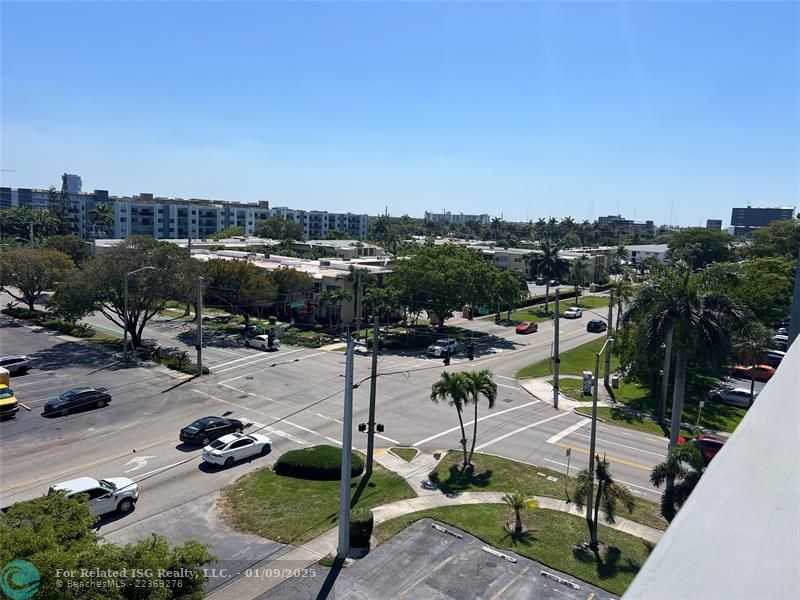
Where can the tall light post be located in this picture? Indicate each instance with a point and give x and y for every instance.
(589, 500)
(125, 312)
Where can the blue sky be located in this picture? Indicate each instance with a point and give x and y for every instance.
(522, 109)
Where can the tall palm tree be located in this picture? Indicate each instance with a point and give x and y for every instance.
(452, 388)
(517, 501)
(748, 346)
(340, 296)
(101, 216)
(623, 292)
(580, 274)
(609, 493)
(325, 299)
(683, 467)
(675, 305)
(548, 264)
(479, 383)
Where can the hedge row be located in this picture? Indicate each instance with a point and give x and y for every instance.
(317, 462)
(45, 319)
(361, 522)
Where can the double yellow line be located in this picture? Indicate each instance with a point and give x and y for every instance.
(621, 461)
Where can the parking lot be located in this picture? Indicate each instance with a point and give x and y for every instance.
(421, 562)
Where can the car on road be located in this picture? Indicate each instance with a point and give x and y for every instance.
(439, 347)
(540, 281)
(528, 327)
(15, 364)
(739, 397)
(262, 342)
(762, 372)
(236, 446)
(206, 430)
(596, 326)
(774, 358)
(573, 312)
(708, 445)
(76, 399)
(9, 406)
(554, 283)
(114, 494)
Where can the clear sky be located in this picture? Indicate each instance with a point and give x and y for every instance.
(522, 109)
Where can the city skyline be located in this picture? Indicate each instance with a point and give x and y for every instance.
(528, 111)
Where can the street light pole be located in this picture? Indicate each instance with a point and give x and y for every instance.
(592, 436)
(556, 357)
(372, 397)
(199, 316)
(125, 313)
(347, 450)
(608, 336)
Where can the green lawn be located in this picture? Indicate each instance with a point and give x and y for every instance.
(293, 510)
(571, 388)
(550, 537)
(573, 362)
(407, 454)
(495, 474)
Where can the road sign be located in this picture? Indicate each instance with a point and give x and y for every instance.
(297, 304)
(702, 403)
(569, 451)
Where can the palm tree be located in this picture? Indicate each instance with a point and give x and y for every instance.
(580, 274)
(479, 383)
(452, 388)
(517, 501)
(101, 216)
(325, 299)
(548, 264)
(361, 278)
(623, 292)
(608, 494)
(340, 296)
(692, 312)
(686, 465)
(748, 347)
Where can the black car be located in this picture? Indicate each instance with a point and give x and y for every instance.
(596, 326)
(206, 430)
(77, 399)
(540, 281)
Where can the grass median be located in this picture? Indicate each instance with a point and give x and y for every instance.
(495, 474)
(293, 510)
(551, 538)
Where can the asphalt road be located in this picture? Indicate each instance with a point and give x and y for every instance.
(295, 396)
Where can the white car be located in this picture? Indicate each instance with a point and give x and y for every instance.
(739, 397)
(439, 347)
(573, 312)
(236, 446)
(262, 342)
(105, 496)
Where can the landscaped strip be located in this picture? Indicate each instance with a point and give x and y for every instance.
(551, 537)
(407, 454)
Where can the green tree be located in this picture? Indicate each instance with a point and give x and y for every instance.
(229, 232)
(453, 389)
(580, 275)
(25, 273)
(71, 245)
(749, 347)
(510, 288)
(335, 234)
(278, 228)
(548, 264)
(571, 240)
(61, 208)
(699, 246)
(101, 216)
(479, 384)
(767, 287)
(237, 286)
(55, 534)
(292, 285)
(517, 501)
(340, 296)
(326, 299)
(608, 494)
(683, 467)
(779, 238)
(692, 311)
(623, 292)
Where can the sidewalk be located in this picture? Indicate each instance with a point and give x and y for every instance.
(302, 557)
(539, 388)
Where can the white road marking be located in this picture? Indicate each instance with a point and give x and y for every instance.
(504, 377)
(267, 398)
(649, 490)
(660, 455)
(521, 429)
(158, 470)
(329, 418)
(138, 462)
(564, 433)
(511, 387)
(255, 425)
(494, 414)
(231, 379)
(230, 362)
(269, 357)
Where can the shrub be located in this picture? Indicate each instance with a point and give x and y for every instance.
(317, 462)
(272, 319)
(361, 522)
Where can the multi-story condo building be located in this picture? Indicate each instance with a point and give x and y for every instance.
(74, 183)
(620, 221)
(744, 220)
(176, 218)
(715, 224)
(448, 217)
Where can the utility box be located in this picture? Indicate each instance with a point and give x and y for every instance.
(615, 381)
(588, 382)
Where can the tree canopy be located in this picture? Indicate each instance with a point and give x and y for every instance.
(779, 238)
(699, 246)
(278, 228)
(237, 286)
(25, 272)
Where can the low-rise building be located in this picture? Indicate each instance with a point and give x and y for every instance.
(452, 218)
(341, 248)
(640, 253)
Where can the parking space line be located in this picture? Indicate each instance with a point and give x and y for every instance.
(521, 429)
(565, 432)
(495, 414)
(519, 576)
(431, 572)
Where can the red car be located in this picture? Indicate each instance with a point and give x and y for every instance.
(763, 372)
(528, 327)
(708, 445)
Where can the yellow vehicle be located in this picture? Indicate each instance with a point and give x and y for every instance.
(8, 402)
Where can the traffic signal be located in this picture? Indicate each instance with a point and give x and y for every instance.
(362, 427)
(379, 427)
